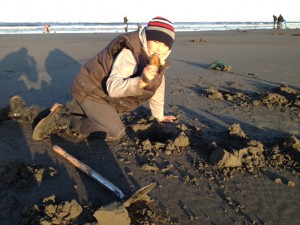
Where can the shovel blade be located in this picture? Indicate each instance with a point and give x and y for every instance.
(139, 195)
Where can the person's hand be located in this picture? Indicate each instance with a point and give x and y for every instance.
(166, 119)
(149, 74)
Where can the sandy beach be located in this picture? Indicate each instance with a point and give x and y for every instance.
(232, 157)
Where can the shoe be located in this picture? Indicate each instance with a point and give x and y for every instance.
(41, 115)
(109, 138)
(16, 106)
(14, 109)
(59, 119)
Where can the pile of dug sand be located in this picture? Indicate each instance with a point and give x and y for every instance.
(282, 97)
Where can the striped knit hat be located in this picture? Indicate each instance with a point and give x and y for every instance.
(162, 30)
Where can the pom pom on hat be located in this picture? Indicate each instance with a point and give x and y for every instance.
(162, 30)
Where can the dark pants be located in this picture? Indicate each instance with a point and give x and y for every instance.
(96, 118)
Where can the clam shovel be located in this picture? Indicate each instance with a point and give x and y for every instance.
(140, 194)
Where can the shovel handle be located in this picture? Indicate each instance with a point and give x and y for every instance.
(75, 162)
(89, 171)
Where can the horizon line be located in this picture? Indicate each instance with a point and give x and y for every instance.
(245, 21)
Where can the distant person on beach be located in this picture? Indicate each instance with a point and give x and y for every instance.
(126, 23)
(280, 22)
(139, 26)
(47, 28)
(274, 21)
(285, 24)
(126, 73)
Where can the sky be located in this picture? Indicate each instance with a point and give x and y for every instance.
(143, 11)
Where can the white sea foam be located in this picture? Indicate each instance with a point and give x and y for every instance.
(34, 28)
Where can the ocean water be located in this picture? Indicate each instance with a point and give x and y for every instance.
(35, 28)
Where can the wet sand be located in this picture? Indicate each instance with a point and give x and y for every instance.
(232, 157)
